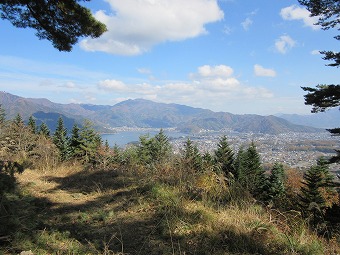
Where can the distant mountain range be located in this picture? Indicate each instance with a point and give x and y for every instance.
(325, 120)
(144, 113)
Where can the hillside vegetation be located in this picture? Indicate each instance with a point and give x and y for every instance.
(72, 194)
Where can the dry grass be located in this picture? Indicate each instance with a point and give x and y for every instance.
(72, 211)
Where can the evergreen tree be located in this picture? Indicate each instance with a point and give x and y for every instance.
(61, 22)
(328, 178)
(224, 157)
(240, 164)
(145, 150)
(19, 140)
(107, 146)
(317, 181)
(154, 150)
(197, 159)
(325, 96)
(327, 12)
(117, 154)
(191, 158)
(90, 142)
(74, 143)
(311, 201)
(2, 126)
(262, 185)
(322, 98)
(2, 115)
(32, 124)
(276, 182)
(44, 130)
(208, 161)
(253, 175)
(60, 139)
(18, 120)
(161, 147)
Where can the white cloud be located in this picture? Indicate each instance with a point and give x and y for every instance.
(221, 85)
(220, 70)
(295, 12)
(75, 101)
(137, 25)
(315, 52)
(144, 70)
(209, 85)
(246, 23)
(284, 44)
(256, 93)
(112, 85)
(261, 71)
(90, 98)
(69, 85)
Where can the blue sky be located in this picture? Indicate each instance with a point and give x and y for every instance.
(238, 56)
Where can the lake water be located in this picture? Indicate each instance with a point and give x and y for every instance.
(122, 138)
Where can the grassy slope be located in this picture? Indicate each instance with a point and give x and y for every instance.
(70, 211)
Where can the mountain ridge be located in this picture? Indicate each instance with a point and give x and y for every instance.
(142, 113)
(326, 120)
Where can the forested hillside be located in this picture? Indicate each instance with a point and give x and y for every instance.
(70, 193)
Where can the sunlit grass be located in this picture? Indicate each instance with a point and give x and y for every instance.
(72, 211)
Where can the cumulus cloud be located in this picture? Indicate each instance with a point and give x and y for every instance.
(284, 44)
(221, 85)
(215, 78)
(246, 23)
(295, 12)
(137, 25)
(261, 71)
(112, 85)
(220, 70)
(208, 85)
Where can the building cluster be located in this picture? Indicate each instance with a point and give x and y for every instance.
(296, 150)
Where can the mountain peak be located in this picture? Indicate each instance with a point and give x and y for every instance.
(144, 113)
(135, 101)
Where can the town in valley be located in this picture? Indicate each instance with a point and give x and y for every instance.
(294, 150)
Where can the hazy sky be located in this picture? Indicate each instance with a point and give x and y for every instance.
(238, 56)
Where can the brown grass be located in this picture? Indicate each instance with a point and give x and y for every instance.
(72, 211)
